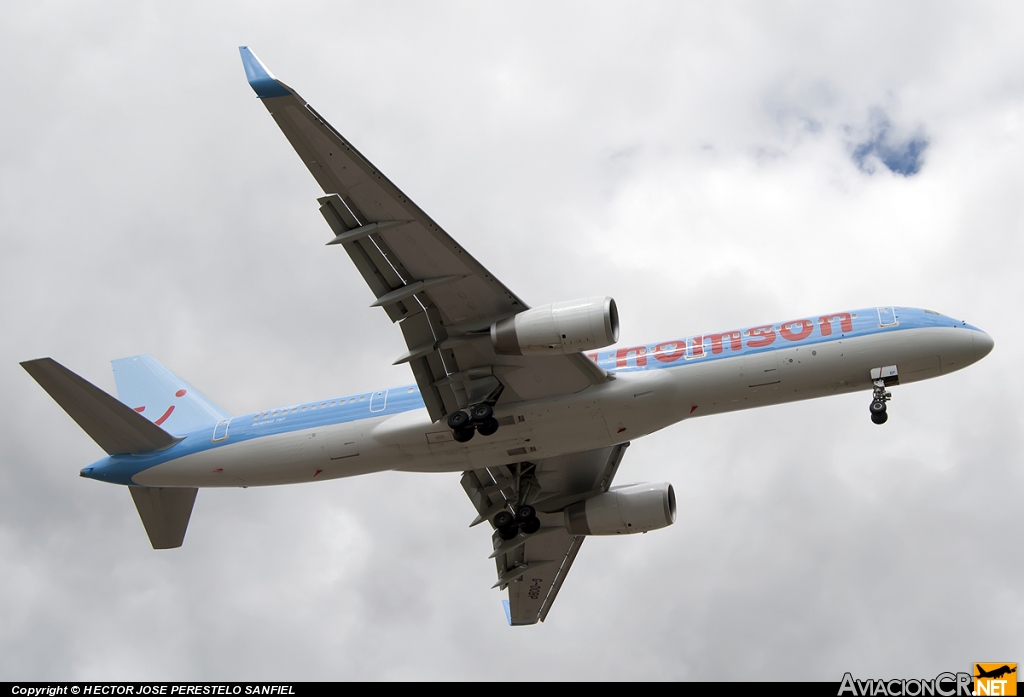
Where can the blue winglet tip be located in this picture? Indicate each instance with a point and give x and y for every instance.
(508, 611)
(262, 82)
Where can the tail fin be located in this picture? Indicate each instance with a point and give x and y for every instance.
(115, 428)
(164, 398)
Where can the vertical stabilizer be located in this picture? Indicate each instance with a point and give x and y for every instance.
(153, 390)
(165, 513)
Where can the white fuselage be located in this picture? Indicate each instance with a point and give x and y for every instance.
(633, 404)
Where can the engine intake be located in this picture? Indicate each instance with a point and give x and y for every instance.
(565, 327)
(623, 510)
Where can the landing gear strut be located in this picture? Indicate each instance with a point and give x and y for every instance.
(878, 399)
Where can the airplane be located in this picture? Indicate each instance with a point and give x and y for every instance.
(535, 406)
(995, 673)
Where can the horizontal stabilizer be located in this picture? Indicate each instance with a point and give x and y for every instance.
(116, 428)
(165, 513)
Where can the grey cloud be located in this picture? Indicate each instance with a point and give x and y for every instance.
(149, 204)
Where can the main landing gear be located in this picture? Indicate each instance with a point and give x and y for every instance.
(478, 418)
(509, 525)
(878, 399)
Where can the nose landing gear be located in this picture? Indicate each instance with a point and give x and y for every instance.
(878, 399)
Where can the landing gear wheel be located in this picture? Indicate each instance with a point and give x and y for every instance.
(525, 513)
(531, 526)
(457, 419)
(502, 519)
(489, 427)
(481, 413)
(879, 396)
(509, 532)
(463, 435)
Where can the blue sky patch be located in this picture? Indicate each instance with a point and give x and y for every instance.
(900, 155)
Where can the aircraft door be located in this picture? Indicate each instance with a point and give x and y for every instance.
(220, 431)
(887, 317)
(379, 400)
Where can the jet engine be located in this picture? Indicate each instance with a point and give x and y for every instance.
(623, 510)
(565, 327)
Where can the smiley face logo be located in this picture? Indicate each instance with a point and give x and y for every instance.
(166, 414)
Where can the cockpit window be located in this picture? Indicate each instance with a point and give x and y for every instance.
(933, 312)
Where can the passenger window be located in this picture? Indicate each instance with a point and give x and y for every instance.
(362, 398)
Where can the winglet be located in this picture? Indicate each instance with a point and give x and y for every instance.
(260, 79)
(508, 611)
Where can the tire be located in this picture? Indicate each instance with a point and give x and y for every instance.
(879, 418)
(531, 526)
(489, 427)
(509, 532)
(502, 519)
(457, 420)
(877, 407)
(481, 413)
(463, 435)
(525, 513)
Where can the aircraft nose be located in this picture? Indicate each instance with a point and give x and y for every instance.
(982, 345)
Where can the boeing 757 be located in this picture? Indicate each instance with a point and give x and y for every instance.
(530, 404)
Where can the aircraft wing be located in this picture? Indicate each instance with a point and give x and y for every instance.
(443, 299)
(533, 567)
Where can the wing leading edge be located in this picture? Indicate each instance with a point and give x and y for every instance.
(443, 299)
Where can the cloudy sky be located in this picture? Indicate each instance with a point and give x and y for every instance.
(708, 165)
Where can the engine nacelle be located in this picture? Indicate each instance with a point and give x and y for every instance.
(565, 327)
(623, 510)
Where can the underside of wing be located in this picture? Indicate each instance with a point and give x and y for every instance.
(444, 300)
(533, 558)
